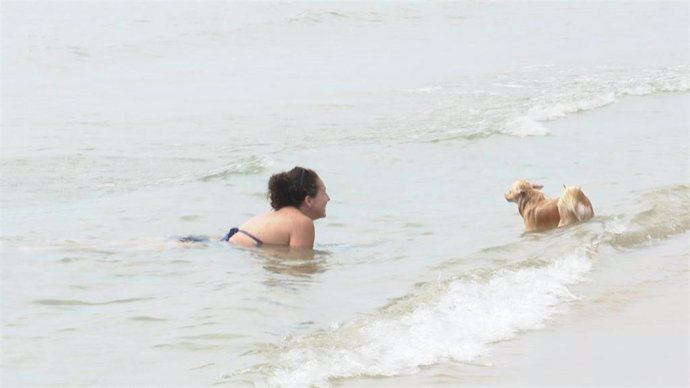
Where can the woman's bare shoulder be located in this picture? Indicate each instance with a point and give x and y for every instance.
(285, 219)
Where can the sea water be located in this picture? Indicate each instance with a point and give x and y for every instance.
(128, 124)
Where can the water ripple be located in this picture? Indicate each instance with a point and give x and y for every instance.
(75, 302)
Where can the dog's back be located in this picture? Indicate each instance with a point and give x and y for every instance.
(541, 213)
(574, 206)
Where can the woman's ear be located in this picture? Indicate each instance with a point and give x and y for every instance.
(308, 200)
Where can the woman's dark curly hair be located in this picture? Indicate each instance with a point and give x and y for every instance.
(291, 187)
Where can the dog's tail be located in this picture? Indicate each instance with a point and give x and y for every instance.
(574, 206)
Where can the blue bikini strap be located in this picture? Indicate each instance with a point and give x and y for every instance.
(256, 239)
(230, 233)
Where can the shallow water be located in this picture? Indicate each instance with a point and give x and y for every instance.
(125, 127)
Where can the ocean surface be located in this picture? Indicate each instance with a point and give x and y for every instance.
(127, 124)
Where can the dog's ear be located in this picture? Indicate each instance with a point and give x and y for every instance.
(537, 186)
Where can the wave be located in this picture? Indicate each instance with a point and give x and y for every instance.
(72, 302)
(468, 316)
(666, 214)
(460, 318)
(317, 16)
(26, 180)
(246, 166)
(517, 103)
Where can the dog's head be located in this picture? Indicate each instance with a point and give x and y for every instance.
(521, 189)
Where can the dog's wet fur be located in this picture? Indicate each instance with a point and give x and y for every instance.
(541, 213)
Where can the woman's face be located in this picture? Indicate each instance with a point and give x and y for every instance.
(319, 201)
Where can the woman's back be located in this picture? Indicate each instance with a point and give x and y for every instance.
(286, 226)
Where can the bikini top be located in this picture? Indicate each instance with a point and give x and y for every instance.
(234, 231)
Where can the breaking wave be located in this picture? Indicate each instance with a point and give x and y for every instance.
(518, 103)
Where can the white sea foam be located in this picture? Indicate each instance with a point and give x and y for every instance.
(518, 103)
(551, 111)
(460, 324)
(524, 126)
(615, 226)
(425, 90)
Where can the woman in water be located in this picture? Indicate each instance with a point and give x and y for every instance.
(298, 197)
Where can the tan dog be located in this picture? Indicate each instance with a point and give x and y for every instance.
(541, 213)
